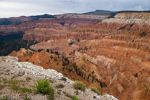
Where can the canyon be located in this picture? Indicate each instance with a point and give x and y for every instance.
(13, 28)
(22, 24)
(111, 53)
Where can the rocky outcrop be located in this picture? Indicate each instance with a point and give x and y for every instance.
(129, 17)
(19, 72)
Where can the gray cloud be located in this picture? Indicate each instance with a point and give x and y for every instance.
(33, 7)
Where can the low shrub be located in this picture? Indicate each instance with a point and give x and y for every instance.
(73, 97)
(94, 89)
(79, 85)
(43, 86)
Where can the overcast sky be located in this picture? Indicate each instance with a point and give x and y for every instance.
(12, 8)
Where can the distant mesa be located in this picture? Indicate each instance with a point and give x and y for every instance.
(101, 12)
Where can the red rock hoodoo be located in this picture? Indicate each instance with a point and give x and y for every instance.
(117, 48)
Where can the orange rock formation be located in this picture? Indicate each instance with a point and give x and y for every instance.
(115, 52)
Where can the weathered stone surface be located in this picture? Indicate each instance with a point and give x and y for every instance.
(37, 72)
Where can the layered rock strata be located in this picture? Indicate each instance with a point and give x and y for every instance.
(82, 16)
(26, 23)
(118, 47)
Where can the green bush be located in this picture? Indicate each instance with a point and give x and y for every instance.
(43, 86)
(94, 89)
(73, 97)
(79, 85)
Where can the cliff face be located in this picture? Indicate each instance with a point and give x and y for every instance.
(128, 17)
(133, 22)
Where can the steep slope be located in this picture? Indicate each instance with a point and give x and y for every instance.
(19, 79)
(118, 49)
(122, 57)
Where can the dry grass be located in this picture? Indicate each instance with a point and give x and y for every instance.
(2, 86)
(79, 85)
(60, 85)
(94, 89)
(28, 79)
